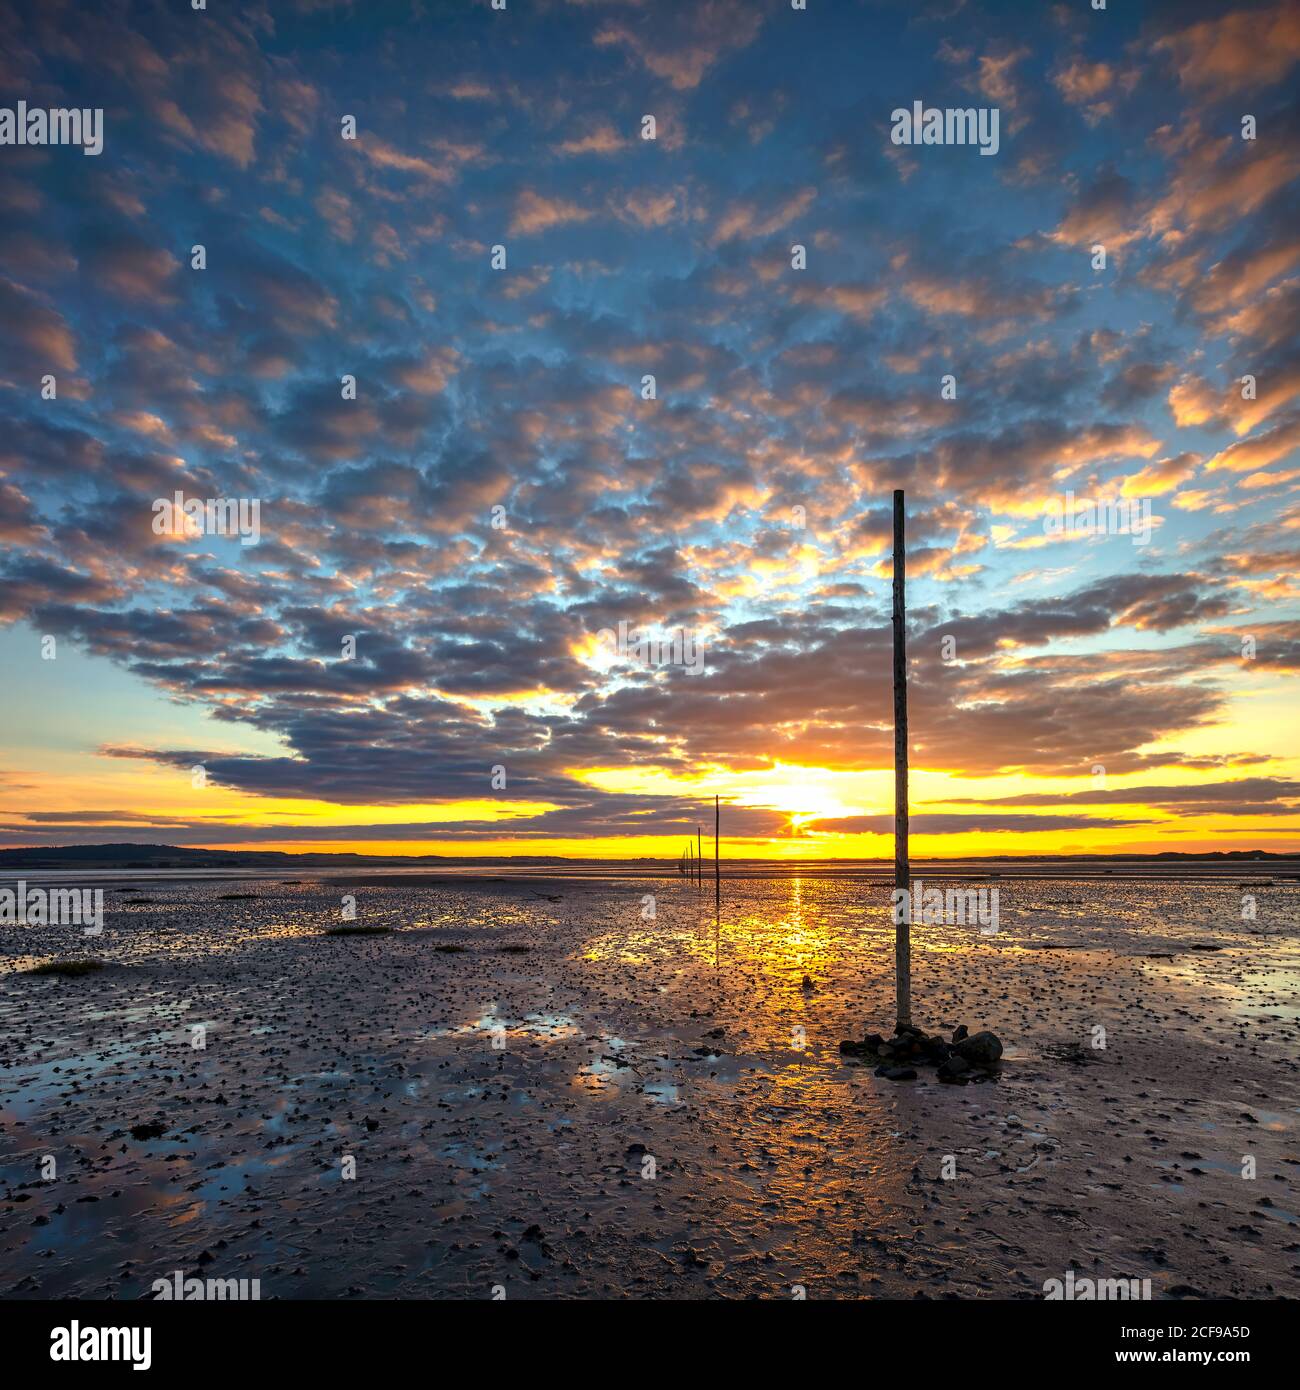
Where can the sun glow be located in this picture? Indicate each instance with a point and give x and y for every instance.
(805, 793)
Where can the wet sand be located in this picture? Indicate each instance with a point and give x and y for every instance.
(501, 1099)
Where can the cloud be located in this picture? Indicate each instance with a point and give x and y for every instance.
(1244, 796)
(962, 823)
(602, 138)
(996, 77)
(124, 264)
(680, 47)
(1260, 450)
(536, 213)
(500, 491)
(1082, 83)
(1240, 50)
(755, 219)
(388, 157)
(37, 339)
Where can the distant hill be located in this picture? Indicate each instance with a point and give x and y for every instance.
(131, 856)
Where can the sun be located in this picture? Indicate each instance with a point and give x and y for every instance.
(806, 794)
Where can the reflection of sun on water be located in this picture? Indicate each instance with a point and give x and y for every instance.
(795, 922)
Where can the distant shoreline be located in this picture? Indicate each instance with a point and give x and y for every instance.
(126, 856)
(120, 865)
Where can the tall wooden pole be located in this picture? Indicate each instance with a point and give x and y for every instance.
(902, 870)
(717, 862)
(699, 858)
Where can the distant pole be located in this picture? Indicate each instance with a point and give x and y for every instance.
(717, 862)
(699, 858)
(902, 871)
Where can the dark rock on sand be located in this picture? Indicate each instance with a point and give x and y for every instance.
(984, 1049)
(966, 1058)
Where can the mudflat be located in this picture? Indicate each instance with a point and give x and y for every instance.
(540, 1088)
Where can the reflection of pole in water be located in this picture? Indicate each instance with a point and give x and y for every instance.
(717, 863)
(717, 880)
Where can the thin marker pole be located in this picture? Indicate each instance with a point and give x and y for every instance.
(699, 858)
(902, 869)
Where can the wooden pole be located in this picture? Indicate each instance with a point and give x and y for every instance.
(717, 862)
(699, 858)
(902, 870)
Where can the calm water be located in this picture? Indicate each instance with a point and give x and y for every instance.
(173, 911)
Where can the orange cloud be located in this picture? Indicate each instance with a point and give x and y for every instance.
(1241, 50)
(534, 213)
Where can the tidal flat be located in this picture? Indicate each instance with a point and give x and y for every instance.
(533, 1088)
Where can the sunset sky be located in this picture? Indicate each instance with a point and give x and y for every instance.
(747, 503)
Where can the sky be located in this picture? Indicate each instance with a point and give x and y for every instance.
(500, 372)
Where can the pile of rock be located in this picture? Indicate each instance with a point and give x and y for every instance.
(967, 1057)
